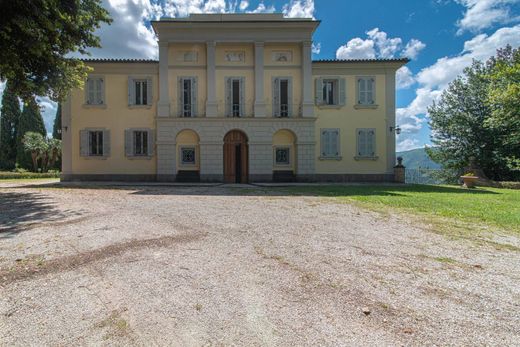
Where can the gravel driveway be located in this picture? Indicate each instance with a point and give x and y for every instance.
(212, 266)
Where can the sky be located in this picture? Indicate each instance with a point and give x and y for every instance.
(441, 37)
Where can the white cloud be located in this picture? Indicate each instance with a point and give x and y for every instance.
(299, 9)
(316, 48)
(378, 45)
(413, 48)
(243, 5)
(407, 144)
(404, 78)
(482, 14)
(387, 47)
(261, 8)
(357, 48)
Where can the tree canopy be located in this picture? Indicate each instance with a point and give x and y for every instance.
(477, 119)
(37, 38)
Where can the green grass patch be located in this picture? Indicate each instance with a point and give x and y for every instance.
(448, 207)
(10, 175)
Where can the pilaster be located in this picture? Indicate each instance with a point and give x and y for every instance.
(307, 100)
(163, 106)
(259, 80)
(211, 102)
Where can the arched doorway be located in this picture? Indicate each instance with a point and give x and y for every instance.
(236, 157)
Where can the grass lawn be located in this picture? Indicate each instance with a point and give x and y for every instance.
(450, 208)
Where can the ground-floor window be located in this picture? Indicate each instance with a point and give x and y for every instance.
(188, 155)
(282, 156)
(140, 142)
(95, 143)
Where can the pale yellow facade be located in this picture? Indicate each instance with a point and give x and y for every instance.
(130, 121)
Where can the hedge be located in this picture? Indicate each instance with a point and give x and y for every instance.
(8, 175)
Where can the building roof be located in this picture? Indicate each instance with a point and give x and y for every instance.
(234, 17)
(153, 61)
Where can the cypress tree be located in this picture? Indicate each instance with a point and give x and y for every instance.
(30, 120)
(56, 129)
(9, 118)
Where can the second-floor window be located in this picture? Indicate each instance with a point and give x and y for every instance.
(366, 90)
(187, 96)
(141, 92)
(282, 97)
(330, 91)
(95, 91)
(235, 96)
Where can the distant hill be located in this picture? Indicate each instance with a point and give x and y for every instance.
(417, 158)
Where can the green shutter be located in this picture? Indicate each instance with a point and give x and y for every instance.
(370, 94)
(242, 96)
(194, 96)
(106, 143)
(83, 143)
(371, 143)
(361, 143)
(151, 142)
(129, 143)
(180, 101)
(149, 91)
(289, 97)
(276, 97)
(131, 91)
(228, 96)
(342, 91)
(319, 91)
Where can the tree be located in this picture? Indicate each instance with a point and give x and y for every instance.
(9, 118)
(37, 38)
(30, 121)
(504, 100)
(54, 152)
(34, 143)
(56, 129)
(476, 120)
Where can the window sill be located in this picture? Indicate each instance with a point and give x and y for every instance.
(366, 158)
(95, 157)
(139, 106)
(94, 106)
(139, 157)
(331, 158)
(330, 107)
(365, 107)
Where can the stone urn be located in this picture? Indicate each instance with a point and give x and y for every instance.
(469, 180)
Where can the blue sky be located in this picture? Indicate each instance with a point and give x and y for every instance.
(441, 36)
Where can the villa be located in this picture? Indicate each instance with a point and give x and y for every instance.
(233, 98)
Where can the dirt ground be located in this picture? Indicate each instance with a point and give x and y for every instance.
(219, 266)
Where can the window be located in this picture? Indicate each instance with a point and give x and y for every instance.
(187, 96)
(95, 143)
(330, 91)
(235, 96)
(282, 97)
(140, 140)
(188, 155)
(95, 91)
(330, 143)
(366, 143)
(141, 92)
(366, 90)
(282, 156)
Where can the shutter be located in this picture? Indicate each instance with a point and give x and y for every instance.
(151, 142)
(131, 91)
(129, 143)
(180, 99)
(106, 143)
(334, 139)
(83, 143)
(370, 91)
(90, 95)
(276, 97)
(342, 91)
(100, 91)
(149, 91)
(361, 91)
(325, 150)
(289, 97)
(371, 143)
(361, 143)
(194, 96)
(242, 96)
(319, 91)
(229, 81)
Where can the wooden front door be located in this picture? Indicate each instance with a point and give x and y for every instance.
(235, 157)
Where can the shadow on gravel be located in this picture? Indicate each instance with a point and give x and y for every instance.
(30, 269)
(22, 211)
